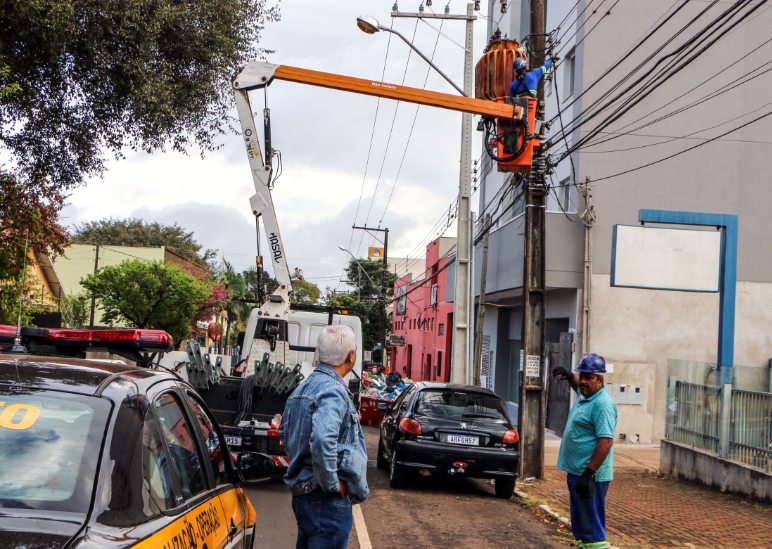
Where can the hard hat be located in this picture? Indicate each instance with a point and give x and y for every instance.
(592, 364)
(520, 63)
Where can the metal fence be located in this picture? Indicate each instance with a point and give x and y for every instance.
(732, 423)
(750, 438)
(697, 415)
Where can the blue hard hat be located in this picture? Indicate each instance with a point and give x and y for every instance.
(592, 364)
(520, 63)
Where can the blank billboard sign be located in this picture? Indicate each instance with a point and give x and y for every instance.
(666, 259)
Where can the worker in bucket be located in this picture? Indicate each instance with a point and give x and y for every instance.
(326, 446)
(526, 82)
(586, 451)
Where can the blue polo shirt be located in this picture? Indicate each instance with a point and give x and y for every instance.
(590, 419)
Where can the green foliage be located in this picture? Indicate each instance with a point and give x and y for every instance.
(147, 294)
(10, 292)
(250, 277)
(362, 284)
(305, 293)
(7, 87)
(368, 315)
(76, 310)
(28, 211)
(95, 75)
(136, 232)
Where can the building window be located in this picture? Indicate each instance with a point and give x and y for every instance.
(442, 330)
(569, 74)
(563, 193)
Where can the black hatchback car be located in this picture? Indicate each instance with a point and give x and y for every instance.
(99, 455)
(446, 428)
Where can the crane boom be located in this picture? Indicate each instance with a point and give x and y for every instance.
(258, 74)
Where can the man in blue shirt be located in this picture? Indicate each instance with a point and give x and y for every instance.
(586, 452)
(526, 82)
(326, 446)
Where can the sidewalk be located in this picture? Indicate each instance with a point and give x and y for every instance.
(645, 510)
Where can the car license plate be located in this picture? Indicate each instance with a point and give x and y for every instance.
(464, 439)
(232, 441)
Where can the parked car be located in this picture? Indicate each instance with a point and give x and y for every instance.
(451, 429)
(96, 454)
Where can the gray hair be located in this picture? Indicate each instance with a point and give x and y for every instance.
(334, 344)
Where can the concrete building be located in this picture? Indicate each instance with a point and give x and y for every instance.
(423, 316)
(636, 330)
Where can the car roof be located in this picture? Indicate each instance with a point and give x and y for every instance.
(440, 385)
(74, 375)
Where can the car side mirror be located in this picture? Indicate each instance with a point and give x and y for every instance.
(254, 468)
(383, 407)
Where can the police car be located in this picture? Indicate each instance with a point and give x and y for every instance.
(95, 454)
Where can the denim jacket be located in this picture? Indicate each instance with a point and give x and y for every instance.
(320, 431)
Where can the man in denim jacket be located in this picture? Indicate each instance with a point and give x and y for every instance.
(326, 446)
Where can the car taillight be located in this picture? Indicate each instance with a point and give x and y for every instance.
(511, 436)
(410, 426)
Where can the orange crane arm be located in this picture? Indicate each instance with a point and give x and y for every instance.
(257, 74)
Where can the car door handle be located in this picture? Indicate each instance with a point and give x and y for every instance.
(233, 531)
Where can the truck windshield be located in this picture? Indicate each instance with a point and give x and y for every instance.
(49, 446)
(446, 403)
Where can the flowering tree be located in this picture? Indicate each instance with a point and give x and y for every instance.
(217, 295)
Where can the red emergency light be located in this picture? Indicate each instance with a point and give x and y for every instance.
(49, 339)
(157, 336)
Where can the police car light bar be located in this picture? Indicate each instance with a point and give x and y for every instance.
(134, 339)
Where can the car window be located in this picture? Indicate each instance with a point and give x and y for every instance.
(408, 399)
(156, 479)
(181, 444)
(448, 403)
(214, 445)
(48, 441)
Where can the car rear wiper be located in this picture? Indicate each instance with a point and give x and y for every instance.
(481, 415)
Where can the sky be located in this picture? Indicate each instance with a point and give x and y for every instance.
(324, 137)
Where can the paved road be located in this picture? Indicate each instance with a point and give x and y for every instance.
(432, 513)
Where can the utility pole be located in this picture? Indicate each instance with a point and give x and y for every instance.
(589, 218)
(462, 329)
(531, 409)
(93, 299)
(384, 289)
(481, 306)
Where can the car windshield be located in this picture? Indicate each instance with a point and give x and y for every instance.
(460, 404)
(49, 445)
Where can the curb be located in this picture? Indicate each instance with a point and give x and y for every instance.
(565, 521)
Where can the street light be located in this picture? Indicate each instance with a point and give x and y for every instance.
(370, 25)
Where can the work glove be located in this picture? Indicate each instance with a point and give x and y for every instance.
(584, 485)
(562, 372)
(555, 60)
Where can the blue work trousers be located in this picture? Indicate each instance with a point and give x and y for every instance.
(588, 515)
(324, 520)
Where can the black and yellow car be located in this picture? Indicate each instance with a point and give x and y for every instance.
(99, 455)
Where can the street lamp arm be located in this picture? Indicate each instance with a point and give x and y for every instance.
(435, 67)
(380, 293)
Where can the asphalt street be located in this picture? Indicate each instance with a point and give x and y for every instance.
(431, 513)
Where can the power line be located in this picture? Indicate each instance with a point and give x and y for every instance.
(685, 150)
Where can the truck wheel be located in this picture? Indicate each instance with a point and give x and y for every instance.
(505, 487)
(381, 462)
(396, 477)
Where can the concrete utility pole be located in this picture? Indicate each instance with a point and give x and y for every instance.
(384, 289)
(481, 306)
(589, 219)
(462, 329)
(531, 409)
(93, 299)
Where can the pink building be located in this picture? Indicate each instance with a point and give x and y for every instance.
(424, 318)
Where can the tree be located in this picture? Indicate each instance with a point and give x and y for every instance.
(10, 294)
(305, 293)
(147, 294)
(144, 74)
(75, 310)
(364, 288)
(29, 212)
(136, 232)
(250, 277)
(236, 309)
(368, 314)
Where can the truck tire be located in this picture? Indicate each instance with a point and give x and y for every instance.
(381, 461)
(505, 487)
(396, 477)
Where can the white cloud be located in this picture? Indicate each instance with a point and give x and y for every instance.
(324, 136)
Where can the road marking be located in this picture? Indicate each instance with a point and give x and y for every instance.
(359, 522)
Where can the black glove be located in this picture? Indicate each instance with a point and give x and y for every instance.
(585, 488)
(562, 372)
(555, 60)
